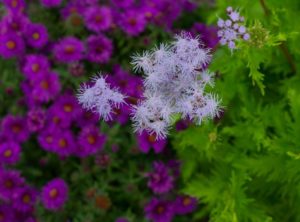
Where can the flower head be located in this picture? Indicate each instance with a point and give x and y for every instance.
(99, 48)
(185, 204)
(133, 22)
(9, 152)
(69, 49)
(6, 213)
(36, 35)
(15, 6)
(159, 210)
(54, 194)
(14, 128)
(24, 199)
(98, 18)
(35, 65)
(12, 45)
(147, 141)
(36, 119)
(10, 180)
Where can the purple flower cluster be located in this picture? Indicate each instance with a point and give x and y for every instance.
(232, 29)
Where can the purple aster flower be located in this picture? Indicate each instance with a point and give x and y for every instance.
(132, 22)
(146, 141)
(64, 143)
(15, 128)
(160, 179)
(51, 3)
(54, 194)
(72, 8)
(99, 49)
(35, 65)
(10, 152)
(55, 117)
(98, 18)
(123, 3)
(36, 35)
(69, 49)
(185, 205)
(46, 139)
(36, 119)
(86, 118)
(24, 199)
(15, 6)
(45, 87)
(159, 210)
(9, 182)
(14, 23)
(67, 107)
(6, 213)
(12, 45)
(90, 141)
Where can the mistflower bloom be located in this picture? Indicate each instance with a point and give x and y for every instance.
(159, 210)
(45, 87)
(90, 141)
(24, 199)
(54, 194)
(98, 18)
(99, 48)
(69, 49)
(36, 35)
(35, 65)
(100, 98)
(147, 141)
(51, 3)
(12, 45)
(185, 205)
(9, 152)
(132, 22)
(36, 119)
(9, 182)
(232, 29)
(175, 82)
(160, 179)
(15, 128)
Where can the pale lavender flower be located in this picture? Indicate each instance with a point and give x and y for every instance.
(100, 98)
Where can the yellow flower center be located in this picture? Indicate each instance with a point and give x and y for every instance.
(10, 44)
(187, 201)
(35, 67)
(151, 138)
(44, 84)
(69, 49)
(7, 153)
(160, 209)
(91, 139)
(8, 184)
(53, 193)
(36, 35)
(62, 143)
(68, 108)
(26, 198)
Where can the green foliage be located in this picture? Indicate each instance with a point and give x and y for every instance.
(246, 167)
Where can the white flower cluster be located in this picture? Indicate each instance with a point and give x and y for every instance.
(100, 98)
(175, 82)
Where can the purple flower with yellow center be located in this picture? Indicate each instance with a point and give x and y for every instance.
(86, 118)
(55, 118)
(160, 180)
(185, 204)
(12, 45)
(159, 210)
(99, 49)
(69, 49)
(35, 65)
(15, 128)
(90, 141)
(45, 87)
(10, 152)
(15, 6)
(64, 143)
(98, 18)
(146, 141)
(46, 139)
(10, 180)
(6, 213)
(54, 194)
(15, 23)
(36, 119)
(67, 107)
(132, 22)
(36, 35)
(24, 199)
(51, 3)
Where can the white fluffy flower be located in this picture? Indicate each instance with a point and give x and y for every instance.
(100, 98)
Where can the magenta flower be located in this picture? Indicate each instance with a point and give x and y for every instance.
(24, 199)
(15, 6)
(6, 213)
(35, 65)
(9, 182)
(36, 119)
(86, 118)
(12, 45)
(45, 87)
(46, 139)
(69, 49)
(14, 23)
(160, 180)
(146, 141)
(15, 128)
(67, 107)
(90, 141)
(36, 35)
(98, 18)
(185, 205)
(54, 194)
(99, 48)
(64, 143)
(10, 152)
(55, 117)
(132, 22)
(159, 210)
(51, 3)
